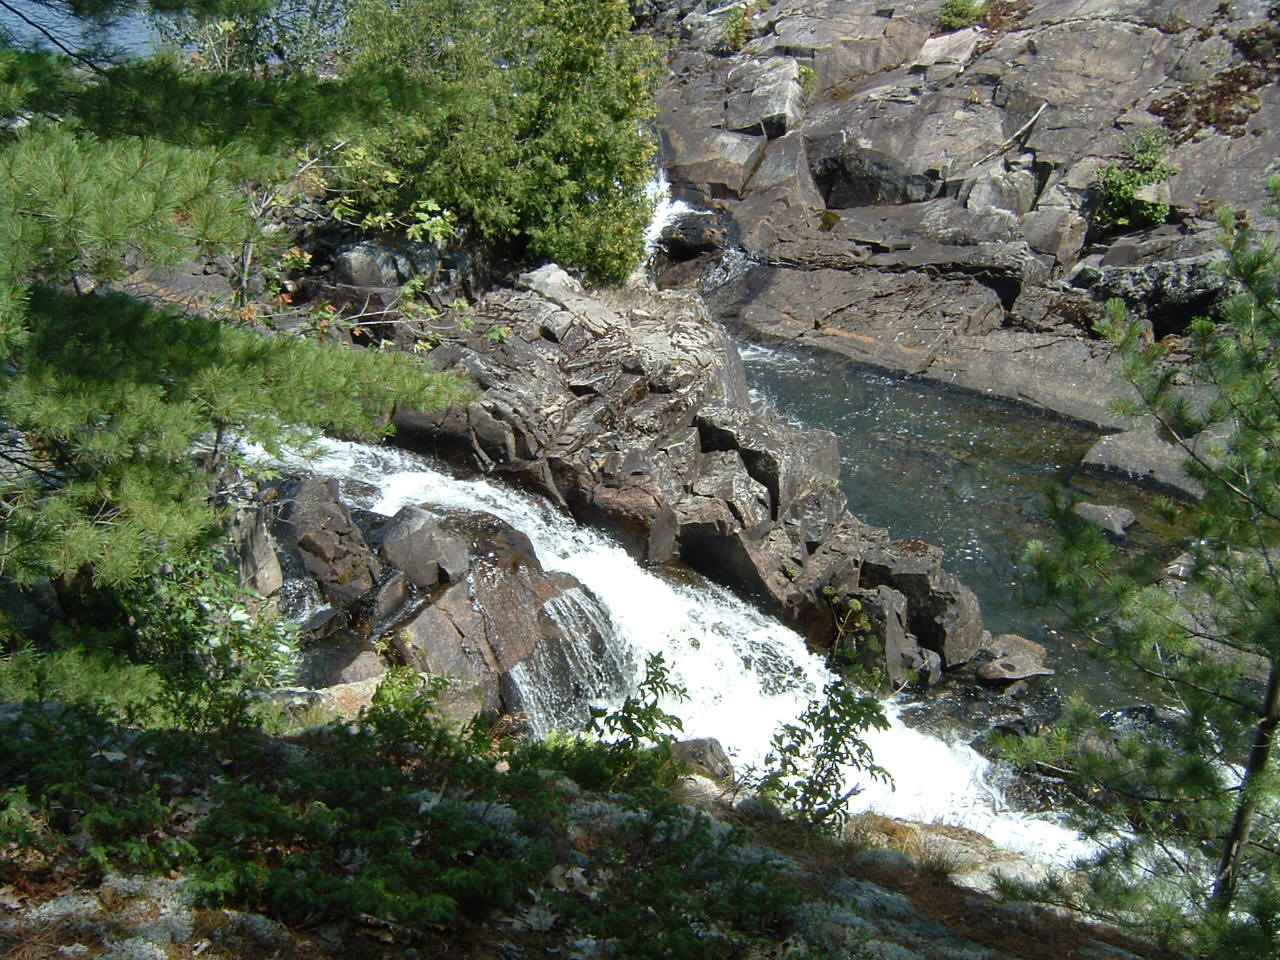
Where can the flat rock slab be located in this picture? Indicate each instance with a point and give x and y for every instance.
(1142, 455)
(945, 330)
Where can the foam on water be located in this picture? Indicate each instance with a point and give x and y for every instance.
(745, 673)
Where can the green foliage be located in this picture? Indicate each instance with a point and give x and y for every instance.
(1119, 185)
(541, 138)
(737, 29)
(211, 647)
(958, 14)
(683, 884)
(808, 81)
(112, 395)
(1200, 797)
(82, 669)
(636, 752)
(102, 397)
(811, 760)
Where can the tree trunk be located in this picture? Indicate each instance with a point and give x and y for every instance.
(1227, 878)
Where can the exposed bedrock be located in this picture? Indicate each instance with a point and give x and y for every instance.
(460, 595)
(927, 202)
(630, 409)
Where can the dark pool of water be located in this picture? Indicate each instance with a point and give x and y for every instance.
(959, 471)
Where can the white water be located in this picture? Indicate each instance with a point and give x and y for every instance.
(664, 212)
(745, 673)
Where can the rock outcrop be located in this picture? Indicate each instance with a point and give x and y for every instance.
(631, 410)
(926, 202)
(457, 595)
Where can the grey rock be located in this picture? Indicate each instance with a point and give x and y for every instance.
(765, 97)
(883, 861)
(369, 264)
(414, 543)
(705, 755)
(1142, 455)
(1116, 521)
(1011, 668)
(901, 655)
(942, 613)
(259, 567)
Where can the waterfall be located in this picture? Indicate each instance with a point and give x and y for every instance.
(745, 673)
(665, 210)
(557, 682)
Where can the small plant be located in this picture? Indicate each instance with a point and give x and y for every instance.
(808, 81)
(1120, 184)
(737, 29)
(958, 14)
(209, 645)
(810, 761)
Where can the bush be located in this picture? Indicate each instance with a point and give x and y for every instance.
(958, 14)
(1119, 184)
(541, 134)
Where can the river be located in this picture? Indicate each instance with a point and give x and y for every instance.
(963, 472)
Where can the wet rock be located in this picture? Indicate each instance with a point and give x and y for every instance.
(310, 519)
(630, 409)
(1114, 520)
(447, 639)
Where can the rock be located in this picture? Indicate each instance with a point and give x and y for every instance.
(706, 756)
(1115, 521)
(1013, 658)
(710, 162)
(369, 264)
(310, 519)
(1168, 292)
(902, 655)
(882, 861)
(630, 409)
(1056, 231)
(1011, 668)
(414, 543)
(766, 97)
(343, 657)
(967, 162)
(1147, 458)
(942, 612)
(259, 567)
(447, 639)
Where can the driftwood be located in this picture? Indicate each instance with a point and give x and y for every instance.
(1018, 134)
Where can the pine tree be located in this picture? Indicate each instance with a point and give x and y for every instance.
(105, 399)
(1199, 861)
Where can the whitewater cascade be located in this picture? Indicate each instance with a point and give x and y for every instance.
(745, 673)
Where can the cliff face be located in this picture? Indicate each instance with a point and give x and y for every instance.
(933, 203)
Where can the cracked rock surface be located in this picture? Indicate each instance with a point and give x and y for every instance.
(931, 208)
